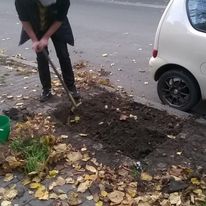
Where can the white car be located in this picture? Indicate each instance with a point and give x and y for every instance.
(179, 55)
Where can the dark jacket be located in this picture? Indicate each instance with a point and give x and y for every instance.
(28, 11)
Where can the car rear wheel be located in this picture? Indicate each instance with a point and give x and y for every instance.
(178, 89)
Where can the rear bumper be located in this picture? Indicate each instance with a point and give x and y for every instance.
(155, 64)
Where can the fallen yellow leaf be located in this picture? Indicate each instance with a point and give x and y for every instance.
(48, 140)
(60, 181)
(100, 203)
(33, 173)
(77, 119)
(60, 148)
(132, 191)
(10, 194)
(13, 162)
(91, 169)
(53, 196)
(73, 199)
(128, 200)
(36, 179)
(195, 181)
(143, 199)
(90, 197)
(101, 174)
(63, 196)
(53, 173)
(80, 179)
(83, 135)
(6, 203)
(146, 177)
(104, 193)
(83, 186)
(86, 157)
(35, 185)
(42, 193)
(198, 192)
(52, 185)
(175, 199)
(164, 203)
(74, 156)
(144, 204)
(116, 197)
(83, 149)
(90, 177)
(8, 177)
(69, 180)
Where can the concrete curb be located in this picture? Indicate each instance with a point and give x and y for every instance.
(18, 60)
(131, 3)
(139, 100)
(22, 61)
(162, 107)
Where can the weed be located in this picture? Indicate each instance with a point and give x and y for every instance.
(33, 151)
(17, 145)
(134, 172)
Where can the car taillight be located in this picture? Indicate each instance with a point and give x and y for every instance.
(155, 53)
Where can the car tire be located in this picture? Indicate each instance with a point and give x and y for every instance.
(178, 89)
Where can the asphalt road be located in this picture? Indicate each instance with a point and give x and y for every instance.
(125, 32)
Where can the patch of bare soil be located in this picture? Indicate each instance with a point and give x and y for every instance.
(121, 125)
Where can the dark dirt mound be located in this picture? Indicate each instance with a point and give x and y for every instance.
(122, 125)
(18, 114)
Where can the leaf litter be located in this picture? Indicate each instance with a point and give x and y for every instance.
(117, 187)
(123, 190)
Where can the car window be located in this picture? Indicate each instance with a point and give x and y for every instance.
(197, 14)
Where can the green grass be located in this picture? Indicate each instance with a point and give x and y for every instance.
(204, 204)
(33, 151)
(134, 172)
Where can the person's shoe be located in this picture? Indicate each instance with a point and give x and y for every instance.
(45, 96)
(74, 93)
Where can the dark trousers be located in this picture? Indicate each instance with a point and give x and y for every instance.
(65, 64)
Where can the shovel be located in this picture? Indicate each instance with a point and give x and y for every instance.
(71, 98)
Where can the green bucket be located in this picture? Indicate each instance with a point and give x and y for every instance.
(5, 128)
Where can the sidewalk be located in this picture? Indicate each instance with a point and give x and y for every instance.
(20, 88)
(20, 85)
(16, 84)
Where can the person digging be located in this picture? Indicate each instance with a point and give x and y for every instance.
(42, 20)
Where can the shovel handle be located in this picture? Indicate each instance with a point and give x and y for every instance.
(60, 78)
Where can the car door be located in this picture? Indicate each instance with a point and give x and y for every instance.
(196, 10)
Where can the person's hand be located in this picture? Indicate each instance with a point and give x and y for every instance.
(42, 44)
(35, 46)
